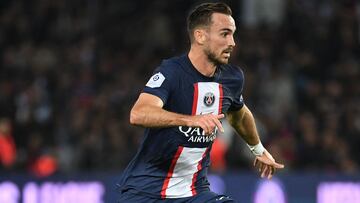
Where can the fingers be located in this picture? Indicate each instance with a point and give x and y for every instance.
(218, 124)
(209, 126)
(277, 165)
(215, 122)
(220, 116)
(264, 171)
(270, 172)
(268, 159)
(208, 122)
(266, 168)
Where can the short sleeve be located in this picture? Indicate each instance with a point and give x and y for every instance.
(161, 83)
(238, 100)
(237, 103)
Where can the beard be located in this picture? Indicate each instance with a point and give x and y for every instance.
(216, 60)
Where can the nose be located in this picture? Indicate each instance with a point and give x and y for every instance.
(231, 41)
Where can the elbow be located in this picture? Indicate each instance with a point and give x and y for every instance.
(135, 117)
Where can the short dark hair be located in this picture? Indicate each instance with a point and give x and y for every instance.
(201, 15)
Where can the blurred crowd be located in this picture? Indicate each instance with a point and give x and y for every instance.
(70, 71)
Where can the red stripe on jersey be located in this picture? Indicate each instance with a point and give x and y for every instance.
(199, 167)
(170, 172)
(220, 98)
(195, 100)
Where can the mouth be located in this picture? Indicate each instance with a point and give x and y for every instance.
(227, 52)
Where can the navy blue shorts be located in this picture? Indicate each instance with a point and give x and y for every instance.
(203, 197)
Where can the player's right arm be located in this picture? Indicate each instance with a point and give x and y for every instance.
(148, 112)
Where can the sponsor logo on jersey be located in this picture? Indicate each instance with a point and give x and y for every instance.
(197, 134)
(209, 99)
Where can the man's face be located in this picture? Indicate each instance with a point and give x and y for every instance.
(219, 38)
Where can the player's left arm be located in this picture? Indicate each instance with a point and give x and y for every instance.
(244, 123)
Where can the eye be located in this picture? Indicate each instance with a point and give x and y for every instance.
(224, 34)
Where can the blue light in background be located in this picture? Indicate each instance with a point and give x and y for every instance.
(269, 191)
(338, 192)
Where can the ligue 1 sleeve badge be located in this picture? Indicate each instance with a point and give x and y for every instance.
(156, 77)
(209, 99)
(156, 80)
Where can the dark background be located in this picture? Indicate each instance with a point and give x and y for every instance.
(70, 71)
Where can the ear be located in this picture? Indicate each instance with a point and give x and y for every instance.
(200, 36)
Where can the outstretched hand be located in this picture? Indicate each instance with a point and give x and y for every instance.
(266, 165)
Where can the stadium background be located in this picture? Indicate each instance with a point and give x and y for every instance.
(70, 71)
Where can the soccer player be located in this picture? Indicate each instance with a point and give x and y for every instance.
(181, 107)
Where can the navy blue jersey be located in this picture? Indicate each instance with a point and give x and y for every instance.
(172, 162)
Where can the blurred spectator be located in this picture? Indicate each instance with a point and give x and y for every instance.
(7, 145)
(69, 71)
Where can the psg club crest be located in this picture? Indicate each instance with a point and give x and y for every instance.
(209, 99)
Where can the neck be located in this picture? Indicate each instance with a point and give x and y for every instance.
(201, 62)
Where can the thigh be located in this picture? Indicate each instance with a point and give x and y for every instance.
(211, 197)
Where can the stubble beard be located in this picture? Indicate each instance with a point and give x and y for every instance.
(213, 59)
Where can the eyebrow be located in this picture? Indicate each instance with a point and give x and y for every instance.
(227, 29)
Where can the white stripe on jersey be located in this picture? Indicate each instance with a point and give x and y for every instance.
(182, 177)
(203, 89)
(183, 173)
